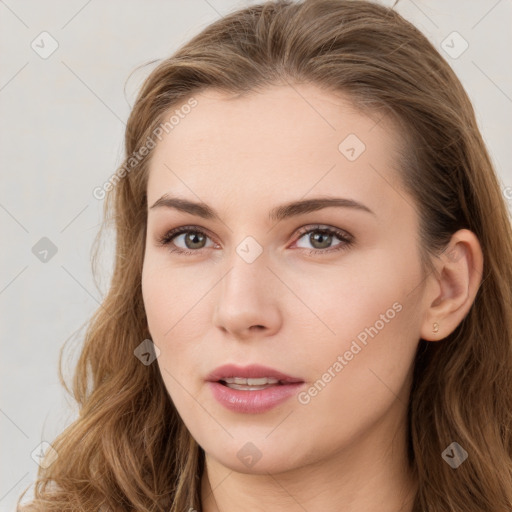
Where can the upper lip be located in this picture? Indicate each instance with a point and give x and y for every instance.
(252, 371)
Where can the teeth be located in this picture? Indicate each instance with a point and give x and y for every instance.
(243, 387)
(262, 381)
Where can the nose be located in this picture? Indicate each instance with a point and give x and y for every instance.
(247, 300)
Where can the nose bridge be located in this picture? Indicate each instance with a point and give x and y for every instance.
(248, 274)
(247, 259)
(247, 294)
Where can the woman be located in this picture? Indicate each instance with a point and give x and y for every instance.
(311, 306)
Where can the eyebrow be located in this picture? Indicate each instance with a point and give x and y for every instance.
(276, 214)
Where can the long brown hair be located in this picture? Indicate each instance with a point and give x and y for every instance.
(129, 450)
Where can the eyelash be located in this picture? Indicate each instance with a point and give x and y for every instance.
(345, 238)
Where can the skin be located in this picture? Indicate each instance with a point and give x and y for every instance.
(244, 155)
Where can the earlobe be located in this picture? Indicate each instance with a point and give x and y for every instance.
(456, 282)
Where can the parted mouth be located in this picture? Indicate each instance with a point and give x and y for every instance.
(252, 375)
(251, 382)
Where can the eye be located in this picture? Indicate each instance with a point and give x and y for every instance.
(194, 239)
(321, 237)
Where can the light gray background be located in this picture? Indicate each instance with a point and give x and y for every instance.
(62, 130)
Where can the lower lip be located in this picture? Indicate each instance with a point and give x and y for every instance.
(253, 401)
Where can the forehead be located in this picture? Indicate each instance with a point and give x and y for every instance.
(280, 143)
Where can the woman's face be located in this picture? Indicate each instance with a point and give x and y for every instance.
(263, 283)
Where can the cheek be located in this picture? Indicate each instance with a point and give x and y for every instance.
(356, 375)
(169, 294)
(367, 326)
(368, 333)
(175, 304)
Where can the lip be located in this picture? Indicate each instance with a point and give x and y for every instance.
(252, 371)
(252, 402)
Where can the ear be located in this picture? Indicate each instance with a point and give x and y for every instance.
(454, 285)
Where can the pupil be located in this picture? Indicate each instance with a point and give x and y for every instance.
(193, 238)
(314, 239)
